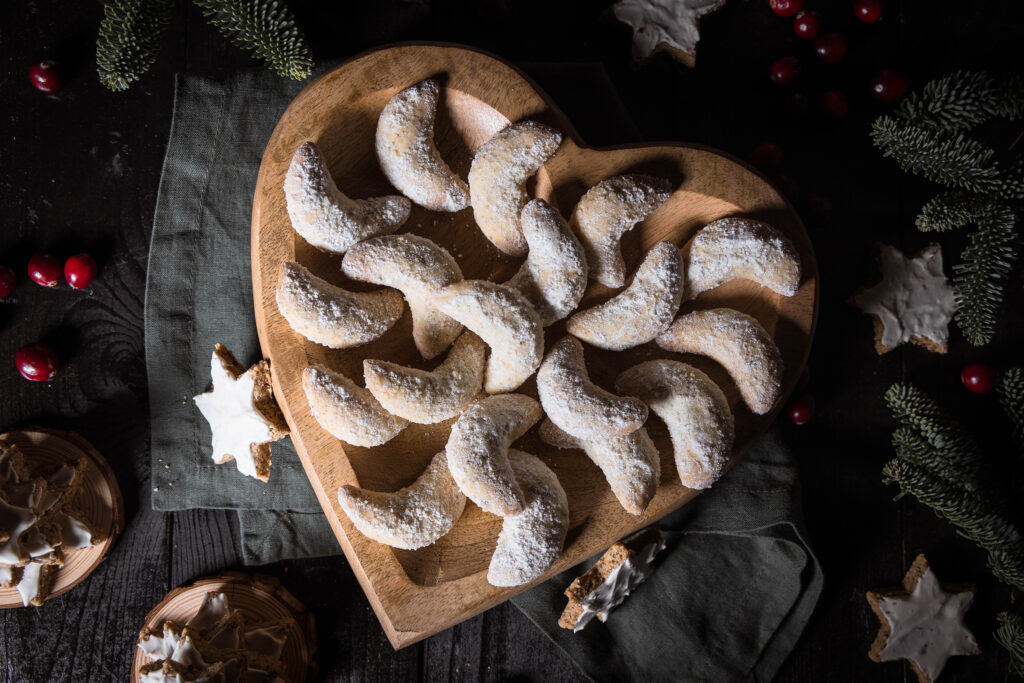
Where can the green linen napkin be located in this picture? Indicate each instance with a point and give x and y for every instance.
(736, 585)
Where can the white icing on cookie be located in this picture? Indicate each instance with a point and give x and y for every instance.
(234, 420)
(622, 580)
(927, 625)
(914, 298)
(660, 24)
(28, 587)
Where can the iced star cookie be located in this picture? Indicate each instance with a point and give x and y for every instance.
(325, 217)
(407, 153)
(922, 622)
(641, 311)
(243, 415)
(497, 180)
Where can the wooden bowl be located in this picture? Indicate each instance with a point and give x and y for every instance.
(100, 499)
(261, 599)
(418, 593)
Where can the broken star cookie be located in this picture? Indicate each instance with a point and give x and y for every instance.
(922, 622)
(912, 301)
(242, 413)
(664, 25)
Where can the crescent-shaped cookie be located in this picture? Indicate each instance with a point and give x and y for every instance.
(497, 180)
(606, 212)
(577, 405)
(478, 450)
(506, 321)
(631, 463)
(426, 397)
(325, 217)
(531, 540)
(637, 314)
(732, 248)
(409, 518)
(347, 410)
(739, 343)
(554, 276)
(332, 316)
(407, 153)
(695, 411)
(419, 269)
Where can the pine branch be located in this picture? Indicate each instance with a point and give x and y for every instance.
(952, 210)
(1011, 106)
(973, 515)
(266, 29)
(1008, 568)
(952, 453)
(1011, 397)
(982, 274)
(952, 160)
(957, 102)
(129, 39)
(1010, 634)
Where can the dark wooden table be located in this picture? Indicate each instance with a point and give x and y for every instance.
(79, 172)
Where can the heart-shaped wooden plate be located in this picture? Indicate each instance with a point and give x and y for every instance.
(418, 593)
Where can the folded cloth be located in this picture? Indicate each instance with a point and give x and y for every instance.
(731, 593)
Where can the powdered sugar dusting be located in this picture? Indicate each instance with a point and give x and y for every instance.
(412, 517)
(478, 450)
(699, 420)
(554, 276)
(606, 212)
(739, 343)
(731, 248)
(325, 217)
(407, 153)
(347, 410)
(639, 312)
(428, 397)
(577, 405)
(531, 540)
(330, 315)
(505, 321)
(497, 180)
(417, 267)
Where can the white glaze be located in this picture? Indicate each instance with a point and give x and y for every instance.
(914, 297)
(624, 579)
(927, 626)
(669, 22)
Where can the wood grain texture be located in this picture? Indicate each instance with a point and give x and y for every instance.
(418, 593)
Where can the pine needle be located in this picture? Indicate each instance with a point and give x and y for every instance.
(129, 39)
(1011, 397)
(1010, 634)
(952, 210)
(266, 29)
(957, 102)
(981, 276)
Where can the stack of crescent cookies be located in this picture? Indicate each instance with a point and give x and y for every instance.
(493, 334)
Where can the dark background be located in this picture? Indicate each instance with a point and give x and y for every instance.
(79, 172)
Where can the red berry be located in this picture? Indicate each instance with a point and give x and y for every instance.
(7, 281)
(36, 362)
(45, 76)
(801, 411)
(831, 47)
(79, 270)
(888, 85)
(785, 70)
(807, 25)
(44, 269)
(786, 8)
(977, 377)
(767, 156)
(868, 11)
(834, 102)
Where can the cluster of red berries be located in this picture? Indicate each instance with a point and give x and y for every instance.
(38, 362)
(886, 86)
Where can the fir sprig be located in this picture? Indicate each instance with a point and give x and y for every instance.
(952, 210)
(982, 275)
(1011, 396)
(955, 103)
(129, 39)
(1010, 634)
(266, 29)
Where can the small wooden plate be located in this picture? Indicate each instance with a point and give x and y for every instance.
(261, 599)
(418, 593)
(100, 499)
